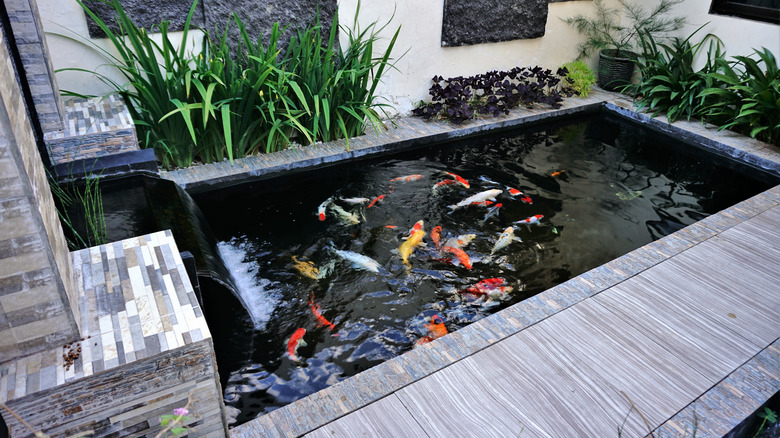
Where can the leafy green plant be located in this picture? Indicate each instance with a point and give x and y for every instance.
(767, 415)
(606, 30)
(338, 86)
(746, 97)
(580, 76)
(669, 84)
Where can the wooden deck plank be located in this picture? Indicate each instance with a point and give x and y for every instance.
(386, 418)
(760, 231)
(458, 402)
(658, 383)
(685, 330)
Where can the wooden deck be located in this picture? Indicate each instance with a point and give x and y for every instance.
(633, 355)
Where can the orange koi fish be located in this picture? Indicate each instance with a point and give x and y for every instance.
(377, 199)
(459, 179)
(460, 254)
(489, 287)
(558, 173)
(533, 220)
(436, 235)
(317, 311)
(407, 178)
(296, 340)
(441, 184)
(482, 203)
(392, 227)
(435, 330)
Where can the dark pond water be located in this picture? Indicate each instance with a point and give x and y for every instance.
(615, 189)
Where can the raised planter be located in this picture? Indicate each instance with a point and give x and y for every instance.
(615, 70)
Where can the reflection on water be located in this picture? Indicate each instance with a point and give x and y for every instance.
(614, 189)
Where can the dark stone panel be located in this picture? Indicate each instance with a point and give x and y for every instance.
(146, 14)
(560, 1)
(489, 21)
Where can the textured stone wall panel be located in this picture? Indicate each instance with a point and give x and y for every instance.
(489, 21)
(130, 400)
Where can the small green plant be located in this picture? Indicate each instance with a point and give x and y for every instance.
(767, 415)
(746, 97)
(669, 84)
(88, 198)
(580, 76)
(173, 424)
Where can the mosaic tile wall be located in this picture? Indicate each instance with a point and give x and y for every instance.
(144, 347)
(93, 128)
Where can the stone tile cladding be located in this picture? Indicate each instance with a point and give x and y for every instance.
(145, 347)
(93, 127)
(38, 294)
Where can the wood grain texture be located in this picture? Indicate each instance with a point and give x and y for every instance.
(386, 418)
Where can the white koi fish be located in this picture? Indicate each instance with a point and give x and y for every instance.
(355, 201)
(460, 241)
(358, 260)
(345, 216)
(506, 237)
(322, 207)
(479, 197)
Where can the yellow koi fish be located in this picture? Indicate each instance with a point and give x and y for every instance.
(307, 269)
(407, 248)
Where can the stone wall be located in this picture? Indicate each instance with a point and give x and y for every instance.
(38, 295)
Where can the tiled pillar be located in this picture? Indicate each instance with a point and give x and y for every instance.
(38, 294)
(28, 32)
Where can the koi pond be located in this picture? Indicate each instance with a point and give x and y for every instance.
(345, 267)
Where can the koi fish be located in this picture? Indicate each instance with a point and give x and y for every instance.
(460, 241)
(358, 260)
(392, 227)
(307, 269)
(436, 235)
(487, 180)
(441, 184)
(459, 179)
(558, 173)
(377, 199)
(345, 216)
(407, 178)
(355, 201)
(416, 227)
(407, 248)
(460, 254)
(296, 340)
(506, 237)
(479, 197)
(322, 207)
(435, 330)
(492, 211)
(533, 220)
(489, 287)
(317, 311)
(523, 197)
(482, 203)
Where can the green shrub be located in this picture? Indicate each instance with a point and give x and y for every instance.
(669, 84)
(746, 97)
(581, 77)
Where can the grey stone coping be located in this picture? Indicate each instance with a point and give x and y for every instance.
(136, 301)
(331, 403)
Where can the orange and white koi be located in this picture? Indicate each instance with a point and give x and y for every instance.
(523, 197)
(479, 197)
(436, 235)
(435, 330)
(557, 174)
(321, 209)
(296, 340)
(489, 287)
(375, 200)
(492, 211)
(317, 311)
(533, 220)
(460, 254)
(441, 184)
(462, 181)
(407, 178)
(506, 237)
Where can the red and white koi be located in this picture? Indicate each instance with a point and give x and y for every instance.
(321, 209)
(317, 311)
(482, 203)
(441, 184)
(436, 235)
(416, 227)
(523, 197)
(506, 237)
(479, 197)
(489, 287)
(376, 200)
(296, 340)
(407, 178)
(533, 220)
(462, 181)
(460, 254)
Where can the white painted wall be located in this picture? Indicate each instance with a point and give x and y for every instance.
(420, 37)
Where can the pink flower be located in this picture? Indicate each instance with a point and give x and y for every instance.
(180, 412)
